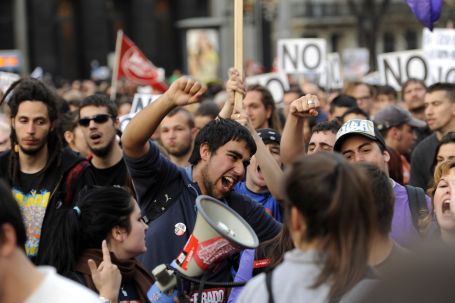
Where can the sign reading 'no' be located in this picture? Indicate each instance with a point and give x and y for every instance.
(301, 55)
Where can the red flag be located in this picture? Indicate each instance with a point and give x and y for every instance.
(134, 65)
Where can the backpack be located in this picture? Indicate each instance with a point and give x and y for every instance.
(417, 205)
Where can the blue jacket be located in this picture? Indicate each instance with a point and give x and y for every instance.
(167, 194)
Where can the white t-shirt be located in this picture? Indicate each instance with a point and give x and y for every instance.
(56, 289)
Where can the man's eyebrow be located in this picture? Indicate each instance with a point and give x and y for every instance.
(364, 144)
(236, 153)
(326, 144)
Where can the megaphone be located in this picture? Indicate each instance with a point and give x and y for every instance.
(218, 233)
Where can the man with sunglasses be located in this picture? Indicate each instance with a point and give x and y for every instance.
(42, 176)
(99, 123)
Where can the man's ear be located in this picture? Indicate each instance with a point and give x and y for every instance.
(386, 156)
(204, 151)
(13, 123)
(395, 133)
(117, 123)
(8, 240)
(69, 136)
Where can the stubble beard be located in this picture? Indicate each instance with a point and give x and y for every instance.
(102, 152)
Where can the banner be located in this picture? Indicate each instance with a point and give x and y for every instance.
(132, 64)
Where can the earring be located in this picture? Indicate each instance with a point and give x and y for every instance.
(16, 148)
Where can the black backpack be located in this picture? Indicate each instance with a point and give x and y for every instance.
(417, 205)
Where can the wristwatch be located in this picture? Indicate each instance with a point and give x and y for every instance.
(105, 300)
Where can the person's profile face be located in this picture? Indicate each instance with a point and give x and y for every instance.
(444, 201)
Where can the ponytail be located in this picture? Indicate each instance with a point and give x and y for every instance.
(336, 203)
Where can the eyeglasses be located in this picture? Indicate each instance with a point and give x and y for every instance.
(145, 219)
(100, 118)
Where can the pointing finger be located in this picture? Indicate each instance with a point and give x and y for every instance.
(106, 255)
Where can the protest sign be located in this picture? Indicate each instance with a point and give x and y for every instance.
(397, 67)
(141, 100)
(332, 77)
(301, 55)
(439, 50)
(6, 79)
(277, 83)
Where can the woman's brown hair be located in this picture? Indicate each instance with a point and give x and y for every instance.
(334, 198)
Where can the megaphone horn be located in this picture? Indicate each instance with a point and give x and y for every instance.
(218, 232)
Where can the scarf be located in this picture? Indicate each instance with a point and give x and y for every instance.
(130, 270)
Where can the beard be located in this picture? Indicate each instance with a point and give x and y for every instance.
(208, 184)
(103, 151)
(33, 151)
(181, 151)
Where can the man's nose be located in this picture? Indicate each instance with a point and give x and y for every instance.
(31, 127)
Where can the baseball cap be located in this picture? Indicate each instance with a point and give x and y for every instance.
(359, 127)
(269, 135)
(393, 115)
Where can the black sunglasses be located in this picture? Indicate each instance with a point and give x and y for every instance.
(100, 118)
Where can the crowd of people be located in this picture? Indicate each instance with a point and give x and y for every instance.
(340, 188)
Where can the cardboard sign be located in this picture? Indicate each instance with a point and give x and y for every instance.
(125, 120)
(332, 77)
(439, 50)
(277, 83)
(141, 100)
(395, 68)
(301, 55)
(439, 45)
(6, 79)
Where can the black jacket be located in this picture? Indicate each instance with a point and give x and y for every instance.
(69, 181)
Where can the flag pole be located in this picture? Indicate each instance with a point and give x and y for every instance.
(118, 45)
(238, 48)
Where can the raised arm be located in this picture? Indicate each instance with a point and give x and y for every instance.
(182, 92)
(270, 169)
(292, 138)
(234, 84)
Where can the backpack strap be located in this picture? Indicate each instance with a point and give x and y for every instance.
(268, 285)
(417, 204)
(72, 175)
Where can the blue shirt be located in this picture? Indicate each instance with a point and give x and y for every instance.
(265, 199)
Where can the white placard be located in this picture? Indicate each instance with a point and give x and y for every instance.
(140, 101)
(6, 79)
(125, 120)
(395, 68)
(439, 49)
(301, 55)
(277, 83)
(332, 77)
